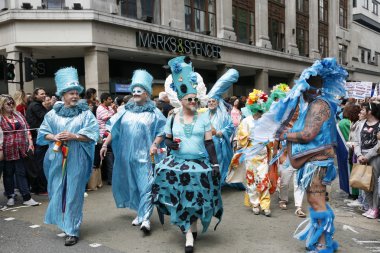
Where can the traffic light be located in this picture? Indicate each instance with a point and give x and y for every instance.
(30, 69)
(10, 71)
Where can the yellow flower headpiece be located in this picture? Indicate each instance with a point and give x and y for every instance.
(257, 96)
(281, 87)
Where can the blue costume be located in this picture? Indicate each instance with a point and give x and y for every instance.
(133, 131)
(184, 187)
(66, 190)
(221, 121)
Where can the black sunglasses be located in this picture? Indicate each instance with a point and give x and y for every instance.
(195, 99)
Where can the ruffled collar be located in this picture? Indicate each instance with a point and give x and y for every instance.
(149, 106)
(69, 112)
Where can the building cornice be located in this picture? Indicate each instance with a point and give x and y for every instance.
(96, 16)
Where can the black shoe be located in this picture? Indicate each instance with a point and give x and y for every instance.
(189, 249)
(195, 234)
(71, 240)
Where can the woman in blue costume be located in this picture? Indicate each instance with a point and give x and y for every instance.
(221, 123)
(136, 132)
(74, 126)
(187, 183)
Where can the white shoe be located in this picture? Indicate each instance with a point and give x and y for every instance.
(136, 222)
(256, 210)
(145, 226)
(85, 194)
(31, 202)
(11, 202)
(355, 203)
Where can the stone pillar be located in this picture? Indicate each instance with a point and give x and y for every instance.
(261, 24)
(224, 24)
(290, 27)
(333, 25)
(96, 63)
(262, 80)
(173, 13)
(313, 30)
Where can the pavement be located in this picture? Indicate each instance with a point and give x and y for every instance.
(108, 229)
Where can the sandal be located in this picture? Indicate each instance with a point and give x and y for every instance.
(300, 213)
(282, 205)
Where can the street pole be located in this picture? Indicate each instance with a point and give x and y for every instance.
(21, 72)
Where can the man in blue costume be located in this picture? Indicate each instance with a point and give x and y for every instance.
(136, 131)
(73, 127)
(187, 183)
(310, 144)
(221, 123)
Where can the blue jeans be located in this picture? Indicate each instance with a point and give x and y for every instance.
(16, 169)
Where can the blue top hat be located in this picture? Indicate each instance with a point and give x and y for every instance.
(143, 79)
(66, 79)
(184, 79)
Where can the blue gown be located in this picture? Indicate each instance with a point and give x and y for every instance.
(79, 164)
(222, 121)
(133, 130)
(183, 185)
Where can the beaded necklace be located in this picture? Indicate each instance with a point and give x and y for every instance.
(188, 128)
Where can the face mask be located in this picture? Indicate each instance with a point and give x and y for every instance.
(137, 91)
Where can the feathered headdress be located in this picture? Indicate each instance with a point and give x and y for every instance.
(256, 101)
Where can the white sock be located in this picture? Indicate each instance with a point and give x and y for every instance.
(189, 238)
(194, 227)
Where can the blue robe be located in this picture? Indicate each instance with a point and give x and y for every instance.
(79, 164)
(133, 131)
(222, 122)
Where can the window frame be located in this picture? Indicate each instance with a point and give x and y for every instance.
(276, 13)
(323, 29)
(365, 4)
(207, 17)
(124, 10)
(375, 6)
(342, 55)
(302, 26)
(343, 16)
(249, 6)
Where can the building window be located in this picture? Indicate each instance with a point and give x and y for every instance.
(146, 10)
(323, 13)
(362, 55)
(354, 3)
(302, 27)
(323, 28)
(200, 16)
(276, 24)
(375, 7)
(243, 15)
(365, 4)
(303, 6)
(53, 4)
(343, 8)
(342, 54)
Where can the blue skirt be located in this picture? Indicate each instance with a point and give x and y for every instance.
(186, 191)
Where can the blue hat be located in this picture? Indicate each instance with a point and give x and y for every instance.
(143, 79)
(184, 79)
(66, 79)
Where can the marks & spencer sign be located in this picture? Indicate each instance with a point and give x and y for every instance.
(177, 45)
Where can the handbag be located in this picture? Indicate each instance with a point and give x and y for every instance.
(95, 180)
(362, 177)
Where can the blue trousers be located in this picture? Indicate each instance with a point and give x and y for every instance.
(16, 170)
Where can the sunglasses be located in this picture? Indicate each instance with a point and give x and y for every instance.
(137, 91)
(195, 99)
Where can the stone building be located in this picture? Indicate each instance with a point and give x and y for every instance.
(268, 41)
